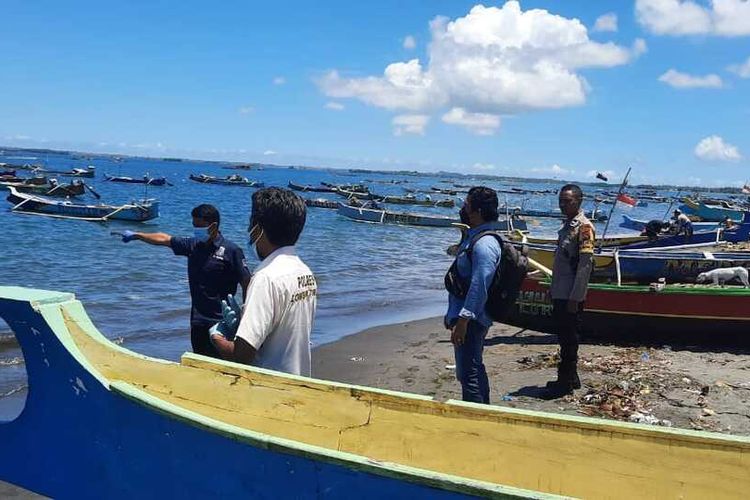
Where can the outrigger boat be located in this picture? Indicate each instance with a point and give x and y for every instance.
(321, 203)
(150, 181)
(712, 211)
(315, 189)
(378, 216)
(232, 180)
(101, 421)
(397, 200)
(36, 205)
(88, 172)
(640, 224)
(683, 312)
(76, 188)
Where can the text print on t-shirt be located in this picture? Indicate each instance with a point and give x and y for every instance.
(307, 288)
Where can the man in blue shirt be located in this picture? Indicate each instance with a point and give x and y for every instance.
(215, 267)
(466, 318)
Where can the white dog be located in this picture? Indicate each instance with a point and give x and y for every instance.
(722, 275)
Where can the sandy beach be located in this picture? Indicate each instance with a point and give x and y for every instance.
(678, 386)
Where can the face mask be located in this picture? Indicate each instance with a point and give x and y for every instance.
(201, 234)
(253, 242)
(463, 214)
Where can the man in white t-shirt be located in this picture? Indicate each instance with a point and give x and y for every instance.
(280, 301)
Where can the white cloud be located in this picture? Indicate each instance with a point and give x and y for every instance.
(410, 43)
(478, 123)
(410, 124)
(335, 106)
(269, 152)
(687, 17)
(554, 170)
(246, 110)
(713, 148)
(494, 60)
(679, 80)
(742, 70)
(606, 22)
(279, 80)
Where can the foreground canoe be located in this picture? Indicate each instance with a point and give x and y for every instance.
(640, 224)
(685, 313)
(103, 422)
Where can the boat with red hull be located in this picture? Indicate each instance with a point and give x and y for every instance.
(684, 313)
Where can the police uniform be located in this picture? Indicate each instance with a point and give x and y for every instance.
(570, 276)
(215, 268)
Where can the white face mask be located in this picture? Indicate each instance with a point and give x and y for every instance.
(253, 241)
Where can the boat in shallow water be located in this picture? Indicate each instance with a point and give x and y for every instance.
(101, 421)
(379, 216)
(640, 224)
(30, 204)
(151, 181)
(232, 180)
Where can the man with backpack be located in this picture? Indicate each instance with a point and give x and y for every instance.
(468, 283)
(570, 278)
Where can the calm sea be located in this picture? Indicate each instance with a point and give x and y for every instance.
(138, 294)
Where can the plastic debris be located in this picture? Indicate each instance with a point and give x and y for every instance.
(356, 358)
(645, 357)
(450, 367)
(507, 397)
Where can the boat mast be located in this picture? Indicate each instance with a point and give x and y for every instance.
(609, 218)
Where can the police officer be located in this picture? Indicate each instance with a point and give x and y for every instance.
(570, 277)
(215, 267)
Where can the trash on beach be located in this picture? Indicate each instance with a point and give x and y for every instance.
(539, 361)
(356, 358)
(450, 367)
(645, 357)
(644, 418)
(507, 397)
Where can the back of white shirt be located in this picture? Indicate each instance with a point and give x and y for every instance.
(279, 310)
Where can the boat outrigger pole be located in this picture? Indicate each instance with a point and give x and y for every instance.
(611, 211)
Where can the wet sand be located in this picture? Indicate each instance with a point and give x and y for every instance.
(678, 386)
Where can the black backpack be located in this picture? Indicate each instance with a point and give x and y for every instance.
(506, 284)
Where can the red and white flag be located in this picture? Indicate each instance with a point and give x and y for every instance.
(626, 201)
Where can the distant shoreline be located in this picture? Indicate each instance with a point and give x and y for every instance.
(415, 173)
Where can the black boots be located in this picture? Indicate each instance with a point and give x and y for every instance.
(567, 381)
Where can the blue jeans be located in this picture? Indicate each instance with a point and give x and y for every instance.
(470, 371)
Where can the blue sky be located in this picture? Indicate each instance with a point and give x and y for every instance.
(502, 90)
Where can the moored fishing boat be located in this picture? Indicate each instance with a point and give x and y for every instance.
(232, 180)
(321, 203)
(377, 216)
(88, 172)
(24, 203)
(640, 224)
(75, 188)
(151, 181)
(713, 211)
(149, 427)
(688, 313)
(315, 189)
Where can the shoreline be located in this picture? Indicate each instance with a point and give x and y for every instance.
(676, 387)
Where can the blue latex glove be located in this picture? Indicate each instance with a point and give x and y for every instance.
(231, 312)
(127, 236)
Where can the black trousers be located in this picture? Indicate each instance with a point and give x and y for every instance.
(566, 328)
(201, 341)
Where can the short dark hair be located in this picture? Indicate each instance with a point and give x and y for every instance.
(208, 213)
(575, 189)
(484, 199)
(280, 213)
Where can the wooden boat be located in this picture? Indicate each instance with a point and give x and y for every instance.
(307, 188)
(640, 224)
(397, 200)
(687, 313)
(75, 188)
(143, 426)
(377, 216)
(351, 188)
(321, 203)
(449, 192)
(713, 211)
(24, 203)
(550, 214)
(613, 241)
(232, 180)
(677, 264)
(88, 172)
(150, 181)
(7, 173)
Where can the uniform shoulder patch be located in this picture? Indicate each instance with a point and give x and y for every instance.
(586, 239)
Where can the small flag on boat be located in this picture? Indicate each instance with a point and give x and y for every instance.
(601, 176)
(746, 189)
(627, 201)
